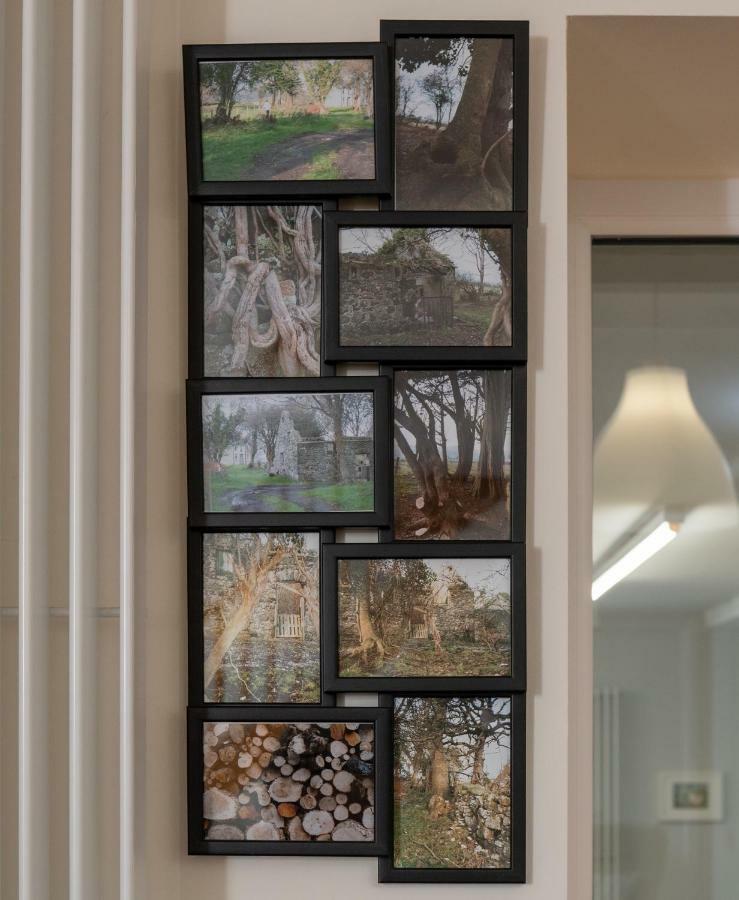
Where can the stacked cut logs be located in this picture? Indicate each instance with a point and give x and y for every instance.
(302, 781)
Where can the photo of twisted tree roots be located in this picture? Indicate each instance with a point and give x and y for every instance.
(262, 290)
(261, 618)
(452, 468)
(423, 287)
(452, 783)
(282, 781)
(424, 617)
(287, 119)
(453, 123)
(311, 452)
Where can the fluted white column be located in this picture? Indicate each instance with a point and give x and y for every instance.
(129, 115)
(83, 449)
(33, 592)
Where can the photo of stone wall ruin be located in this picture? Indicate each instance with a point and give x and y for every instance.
(424, 617)
(261, 617)
(452, 783)
(433, 286)
(283, 781)
(301, 452)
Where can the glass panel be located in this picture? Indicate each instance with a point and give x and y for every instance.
(666, 570)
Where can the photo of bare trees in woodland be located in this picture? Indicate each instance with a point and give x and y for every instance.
(261, 617)
(424, 617)
(452, 454)
(262, 290)
(452, 783)
(432, 286)
(289, 781)
(453, 123)
(311, 452)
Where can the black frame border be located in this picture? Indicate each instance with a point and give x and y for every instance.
(518, 446)
(196, 389)
(518, 30)
(196, 274)
(436, 685)
(193, 54)
(195, 595)
(336, 352)
(516, 874)
(199, 846)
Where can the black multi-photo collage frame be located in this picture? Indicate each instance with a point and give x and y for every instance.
(286, 284)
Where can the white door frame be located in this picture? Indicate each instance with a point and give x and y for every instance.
(608, 209)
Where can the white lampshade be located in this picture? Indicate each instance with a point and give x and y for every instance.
(655, 452)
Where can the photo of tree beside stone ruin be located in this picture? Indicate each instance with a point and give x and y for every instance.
(434, 286)
(266, 453)
(287, 119)
(453, 123)
(262, 290)
(424, 617)
(452, 464)
(282, 781)
(261, 617)
(452, 783)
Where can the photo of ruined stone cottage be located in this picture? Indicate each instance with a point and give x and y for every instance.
(424, 617)
(266, 453)
(289, 781)
(452, 783)
(261, 617)
(420, 287)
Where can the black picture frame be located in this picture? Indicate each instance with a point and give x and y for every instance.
(437, 685)
(198, 845)
(518, 31)
(195, 630)
(199, 517)
(518, 447)
(194, 54)
(336, 352)
(516, 874)
(196, 267)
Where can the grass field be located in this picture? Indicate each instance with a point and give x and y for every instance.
(416, 657)
(279, 493)
(229, 150)
(425, 843)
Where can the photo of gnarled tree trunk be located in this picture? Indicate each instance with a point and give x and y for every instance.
(452, 469)
(261, 618)
(454, 123)
(452, 782)
(262, 290)
(424, 617)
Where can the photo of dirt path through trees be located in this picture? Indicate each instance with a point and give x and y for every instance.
(424, 617)
(452, 466)
(452, 783)
(287, 119)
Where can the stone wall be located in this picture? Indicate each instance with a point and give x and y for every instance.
(485, 812)
(375, 298)
(316, 462)
(358, 460)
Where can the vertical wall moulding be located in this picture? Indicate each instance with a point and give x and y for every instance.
(83, 472)
(33, 599)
